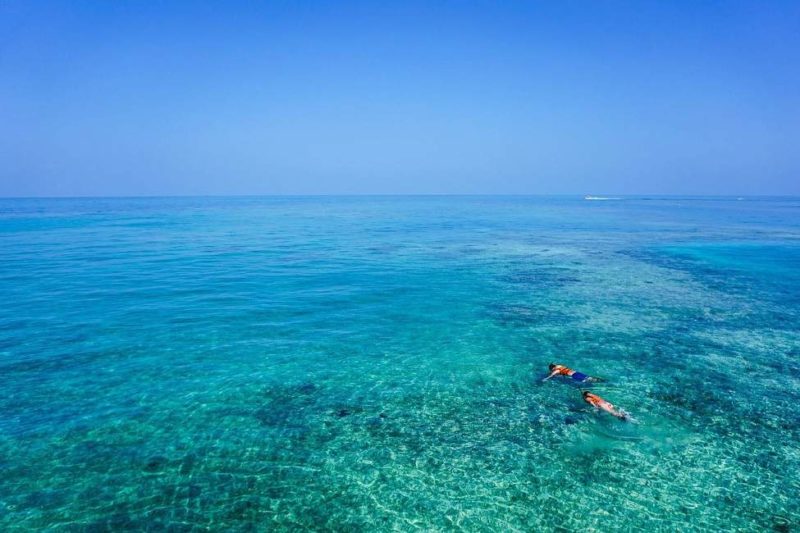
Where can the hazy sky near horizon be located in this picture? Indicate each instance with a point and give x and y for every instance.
(607, 97)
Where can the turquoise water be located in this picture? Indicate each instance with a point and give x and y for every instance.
(372, 363)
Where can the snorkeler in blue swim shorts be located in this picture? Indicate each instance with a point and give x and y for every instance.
(561, 370)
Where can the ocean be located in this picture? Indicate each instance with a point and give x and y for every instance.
(375, 363)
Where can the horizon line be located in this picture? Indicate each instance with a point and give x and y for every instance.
(606, 196)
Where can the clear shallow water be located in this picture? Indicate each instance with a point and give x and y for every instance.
(372, 363)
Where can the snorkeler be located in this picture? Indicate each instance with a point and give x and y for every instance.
(561, 370)
(599, 403)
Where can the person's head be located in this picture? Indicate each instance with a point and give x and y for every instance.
(586, 394)
(552, 366)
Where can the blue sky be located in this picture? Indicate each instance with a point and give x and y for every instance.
(170, 98)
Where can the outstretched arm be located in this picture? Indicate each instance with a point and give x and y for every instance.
(553, 373)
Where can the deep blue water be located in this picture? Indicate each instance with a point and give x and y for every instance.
(373, 363)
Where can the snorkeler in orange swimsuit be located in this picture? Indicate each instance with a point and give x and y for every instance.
(599, 403)
(561, 370)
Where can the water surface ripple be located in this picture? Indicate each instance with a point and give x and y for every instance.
(372, 363)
